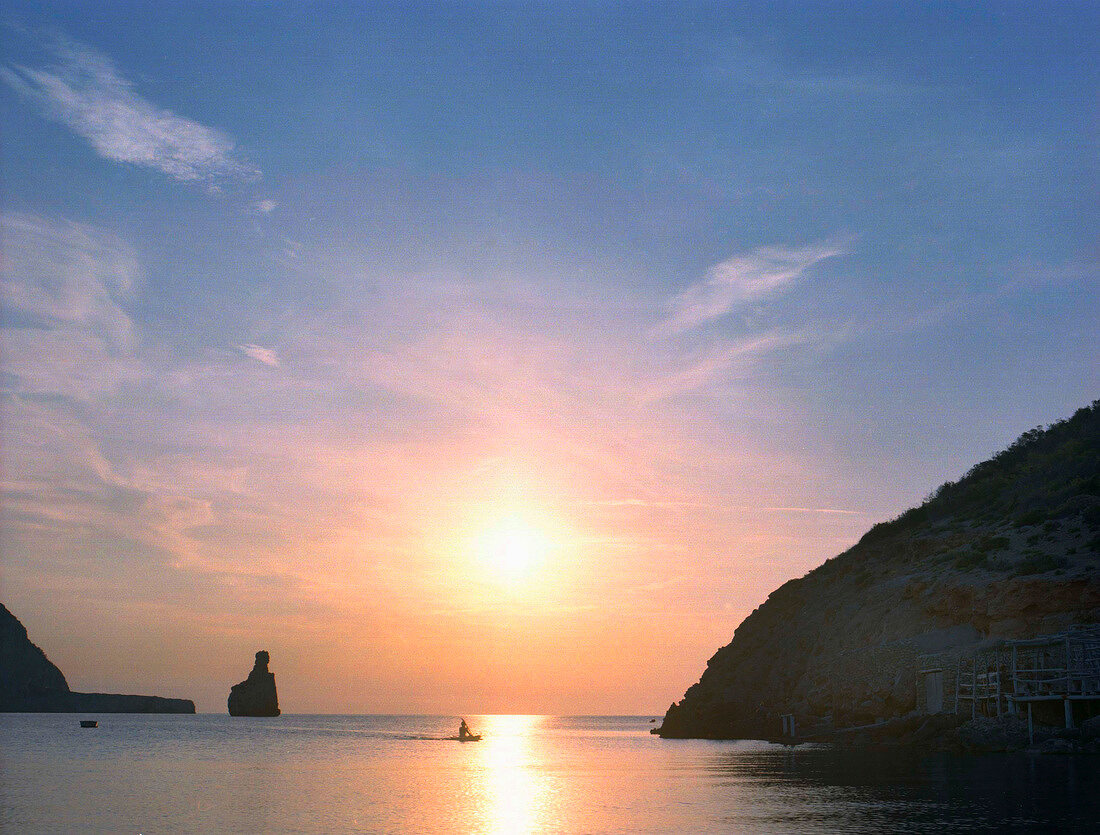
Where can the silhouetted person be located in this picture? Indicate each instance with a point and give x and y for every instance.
(464, 730)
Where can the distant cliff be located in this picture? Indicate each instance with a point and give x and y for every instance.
(30, 683)
(1011, 550)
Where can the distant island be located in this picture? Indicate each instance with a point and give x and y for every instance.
(31, 683)
(979, 606)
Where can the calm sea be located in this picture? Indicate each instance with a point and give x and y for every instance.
(332, 774)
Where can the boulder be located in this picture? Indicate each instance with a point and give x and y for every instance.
(1090, 728)
(1054, 746)
(987, 734)
(255, 696)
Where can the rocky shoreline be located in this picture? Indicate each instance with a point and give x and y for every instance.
(980, 735)
(948, 733)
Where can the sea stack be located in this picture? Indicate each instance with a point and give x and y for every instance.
(255, 696)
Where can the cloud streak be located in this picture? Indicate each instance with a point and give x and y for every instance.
(85, 92)
(700, 372)
(65, 288)
(739, 280)
(260, 354)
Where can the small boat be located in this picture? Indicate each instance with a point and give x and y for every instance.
(89, 723)
(471, 738)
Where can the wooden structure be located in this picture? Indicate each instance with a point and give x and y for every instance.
(786, 721)
(1014, 676)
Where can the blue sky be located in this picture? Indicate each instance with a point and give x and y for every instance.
(299, 299)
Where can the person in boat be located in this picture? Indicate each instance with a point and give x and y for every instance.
(464, 730)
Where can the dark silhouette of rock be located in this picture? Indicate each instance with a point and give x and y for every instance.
(71, 702)
(255, 696)
(26, 673)
(1009, 551)
(30, 683)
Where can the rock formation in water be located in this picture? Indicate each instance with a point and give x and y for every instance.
(255, 696)
(1012, 550)
(30, 683)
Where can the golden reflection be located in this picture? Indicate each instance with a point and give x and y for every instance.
(516, 795)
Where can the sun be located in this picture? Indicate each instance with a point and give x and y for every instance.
(512, 549)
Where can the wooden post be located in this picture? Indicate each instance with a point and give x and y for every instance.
(1069, 712)
(958, 681)
(974, 687)
(998, 674)
(1015, 691)
(1030, 726)
(1069, 667)
(1040, 677)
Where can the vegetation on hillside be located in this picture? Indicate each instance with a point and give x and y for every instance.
(1046, 475)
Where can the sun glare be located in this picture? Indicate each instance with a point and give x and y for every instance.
(512, 549)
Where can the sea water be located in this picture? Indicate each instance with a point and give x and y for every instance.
(334, 774)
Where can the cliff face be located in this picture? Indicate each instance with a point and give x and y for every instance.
(1011, 550)
(30, 683)
(25, 671)
(255, 696)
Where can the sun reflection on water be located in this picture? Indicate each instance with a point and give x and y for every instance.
(517, 796)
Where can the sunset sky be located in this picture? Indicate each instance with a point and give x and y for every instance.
(497, 358)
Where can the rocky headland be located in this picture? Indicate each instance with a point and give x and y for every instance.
(1010, 551)
(255, 696)
(31, 683)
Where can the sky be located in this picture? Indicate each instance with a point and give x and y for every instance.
(501, 358)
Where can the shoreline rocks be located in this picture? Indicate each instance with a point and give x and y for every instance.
(951, 734)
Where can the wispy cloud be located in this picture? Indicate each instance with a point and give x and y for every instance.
(741, 279)
(678, 505)
(746, 65)
(84, 91)
(70, 273)
(65, 287)
(835, 510)
(260, 354)
(697, 373)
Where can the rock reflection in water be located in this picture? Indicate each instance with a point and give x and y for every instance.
(824, 789)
